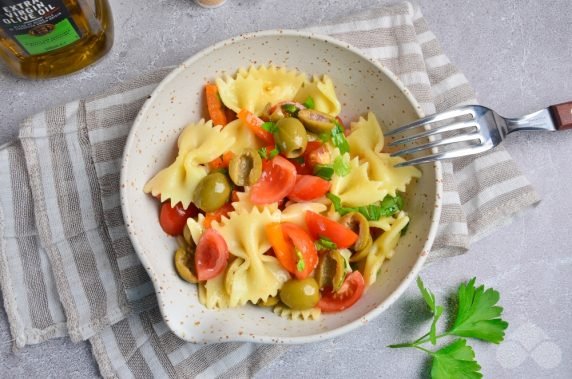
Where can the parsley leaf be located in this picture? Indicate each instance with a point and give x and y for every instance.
(309, 103)
(456, 360)
(341, 167)
(339, 139)
(324, 137)
(324, 171)
(437, 310)
(263, 152)
(269, 126)
(387, 207)
(324, 243)
(300, 265)
(478, 316)
(274, 152)
(291, 109)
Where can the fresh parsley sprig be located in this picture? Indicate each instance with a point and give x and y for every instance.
(478, 317)
(389, 206)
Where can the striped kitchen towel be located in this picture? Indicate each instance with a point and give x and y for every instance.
(67, 267)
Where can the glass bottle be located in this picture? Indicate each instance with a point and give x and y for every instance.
(47, 38)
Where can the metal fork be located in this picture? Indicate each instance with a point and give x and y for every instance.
(472, 129)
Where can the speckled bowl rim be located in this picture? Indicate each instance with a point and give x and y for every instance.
(422, 256)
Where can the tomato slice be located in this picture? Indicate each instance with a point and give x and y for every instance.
(277, 180)
(321, 226)
(217, 215)
(173, 220)
(349, 293)
(293, 248)
(221, 162)
(211, 255)
(316, 153)
(254, 123)
(308, 187)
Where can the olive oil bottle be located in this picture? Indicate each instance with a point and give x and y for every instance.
(47, 38)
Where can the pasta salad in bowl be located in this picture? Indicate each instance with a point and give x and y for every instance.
(274, 212)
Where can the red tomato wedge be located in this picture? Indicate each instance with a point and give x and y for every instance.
(217, 215)
(254, 123)
(211, 255)
(173, 220)
(321, 226)
(316, 153)
(214, 105)
(349, 293)
(293, 248)
(308, 187)
(277, 180)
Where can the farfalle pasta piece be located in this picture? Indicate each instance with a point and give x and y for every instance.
(244, 204)
(382, 248)
(212, 293)
(252, 276)
(366, 142)
(365, 136)
(323, 93)
(295, 314)
(198, 144)
(196, 227)
(252, 89)
(357, 189)
(244, 138)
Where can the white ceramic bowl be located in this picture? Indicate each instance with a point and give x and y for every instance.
(361, 85)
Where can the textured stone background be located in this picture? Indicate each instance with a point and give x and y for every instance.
(518, 56)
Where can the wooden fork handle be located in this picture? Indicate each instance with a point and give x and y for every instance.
(562, 115)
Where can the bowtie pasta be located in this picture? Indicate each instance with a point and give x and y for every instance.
(275, 203)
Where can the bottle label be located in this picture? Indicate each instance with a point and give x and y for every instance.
(38, 26)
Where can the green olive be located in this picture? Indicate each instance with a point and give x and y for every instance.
(316, 121)
(291, 137)
(245, 169)
(359, 224)
(185, 264)
(212, 192)
(300, 294)
(325, 270)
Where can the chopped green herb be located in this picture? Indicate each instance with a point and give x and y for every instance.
(373, 212)
(324, 137)
(309, 103)
(300, 265)
(341, 167)
(269, 126)
(339, 139)
(478, 316)
(274, 152)
(324, 243)
(324, 171)
(263, 152)
(291, 109)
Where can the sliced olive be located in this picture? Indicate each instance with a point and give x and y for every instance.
(212, 192)
(245, 169)
(300, 294)
(359, 224)
(291, 137)
(341, 271)
(332, 269)
(325, 270)
(316, 121)
(270, 302)
(185, 265)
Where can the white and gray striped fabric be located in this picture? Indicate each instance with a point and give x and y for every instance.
(67, 266)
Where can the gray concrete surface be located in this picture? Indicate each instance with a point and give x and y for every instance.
(518, 56)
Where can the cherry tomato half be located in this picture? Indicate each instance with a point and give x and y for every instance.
(349, 293)
(211, 255)
(277, 180)
(308, 187)
(173, 220)
(217, 215)
(321, 226)
(293, 248)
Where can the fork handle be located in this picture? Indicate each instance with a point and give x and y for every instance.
(562, 115)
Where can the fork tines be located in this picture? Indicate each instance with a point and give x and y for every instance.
(470, 139)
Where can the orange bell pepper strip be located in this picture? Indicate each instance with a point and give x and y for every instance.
(254, 123)
(214, 105)
(221, 162)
